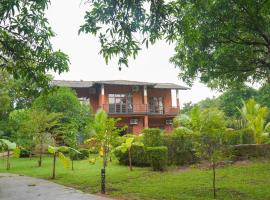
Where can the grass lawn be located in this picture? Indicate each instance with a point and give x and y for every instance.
(246, 182)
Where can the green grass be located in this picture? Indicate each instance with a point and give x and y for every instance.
(243, 182)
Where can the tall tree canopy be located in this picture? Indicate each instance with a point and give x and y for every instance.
(223, 42)
(25, 48)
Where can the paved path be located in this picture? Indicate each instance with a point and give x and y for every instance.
(15, 187)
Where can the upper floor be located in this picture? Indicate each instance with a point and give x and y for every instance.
(120, 98)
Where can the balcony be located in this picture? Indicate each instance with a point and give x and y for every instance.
(139, 109)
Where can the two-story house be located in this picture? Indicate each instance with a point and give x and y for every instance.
(138, 104)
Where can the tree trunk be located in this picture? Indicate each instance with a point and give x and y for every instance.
(40, 154)
(8, 163)
(72, 165)
(129, 158)
(214, 179)
(30, 155)
(54, 163)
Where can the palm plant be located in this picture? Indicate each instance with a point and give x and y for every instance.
(126, 146)
(8, 146)
(105, 132)
(254, 117)
(59, 152)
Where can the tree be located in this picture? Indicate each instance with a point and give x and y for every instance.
(25, 36)
(43, 127)
(232, 98)
(210, 145)
(126, 146)
(59, 152)
(255, 117)
(75, 115)
(8, 146)
(223, 43)
(105, 131)
(21, 134)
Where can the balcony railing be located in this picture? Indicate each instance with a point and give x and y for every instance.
(139, 109)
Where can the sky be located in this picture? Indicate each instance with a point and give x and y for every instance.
(151, 65)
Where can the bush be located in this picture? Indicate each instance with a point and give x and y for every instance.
(84, 154)
(24, 153)
(158, 157)
(247, 136)
(138, 156)
(93, 150)
(232, 137)
(248, 151)
(180, 147)
(152, 137)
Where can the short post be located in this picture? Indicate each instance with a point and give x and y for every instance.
(103, 189)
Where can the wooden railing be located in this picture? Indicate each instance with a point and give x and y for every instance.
(139, 109)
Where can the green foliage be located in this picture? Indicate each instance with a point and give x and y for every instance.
(75, 115)
(26, 51)
(7, 145)
(255, 117)
(231, 99)
(250, 151)
(152, 137)
(24, 153)
(138, 156)
(84, 154)
(158, 157)
(247, 136)
(235, 52)
(181, 150)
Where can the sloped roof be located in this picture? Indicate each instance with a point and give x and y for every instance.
(170, 86)
(87, 84)
(73, 84)
(124, 82)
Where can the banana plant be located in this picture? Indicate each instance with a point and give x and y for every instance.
(126, 146)
(8, 146)
(59, 152)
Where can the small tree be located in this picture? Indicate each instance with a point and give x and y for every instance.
(8, 146)
(58, 152)
(127, 146)
(43, 128)
(210, 145)
(105, 131)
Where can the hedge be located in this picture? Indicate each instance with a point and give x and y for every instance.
(180, 150)
(138, 156)
(152, 137)
(84, 154)
(249, 151)
(158, 157)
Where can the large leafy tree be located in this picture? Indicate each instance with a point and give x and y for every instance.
(75, 115)
(25, 48)
(222, 43)
(232, 98)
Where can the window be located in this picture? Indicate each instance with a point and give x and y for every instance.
(120, 103)
(84, 101)
(156, 105)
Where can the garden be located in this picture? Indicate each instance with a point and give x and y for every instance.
(208, 155)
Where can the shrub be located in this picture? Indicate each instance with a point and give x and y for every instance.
(232, 137)
(180, 147)
(138, 156)
(248, 151)
(247, 136)
(158, 157)
(84, 154)
(93, 150)
(24, 153)
(152, 137)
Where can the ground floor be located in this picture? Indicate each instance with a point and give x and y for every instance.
(135, 124)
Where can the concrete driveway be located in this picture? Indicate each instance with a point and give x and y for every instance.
(15, 187)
